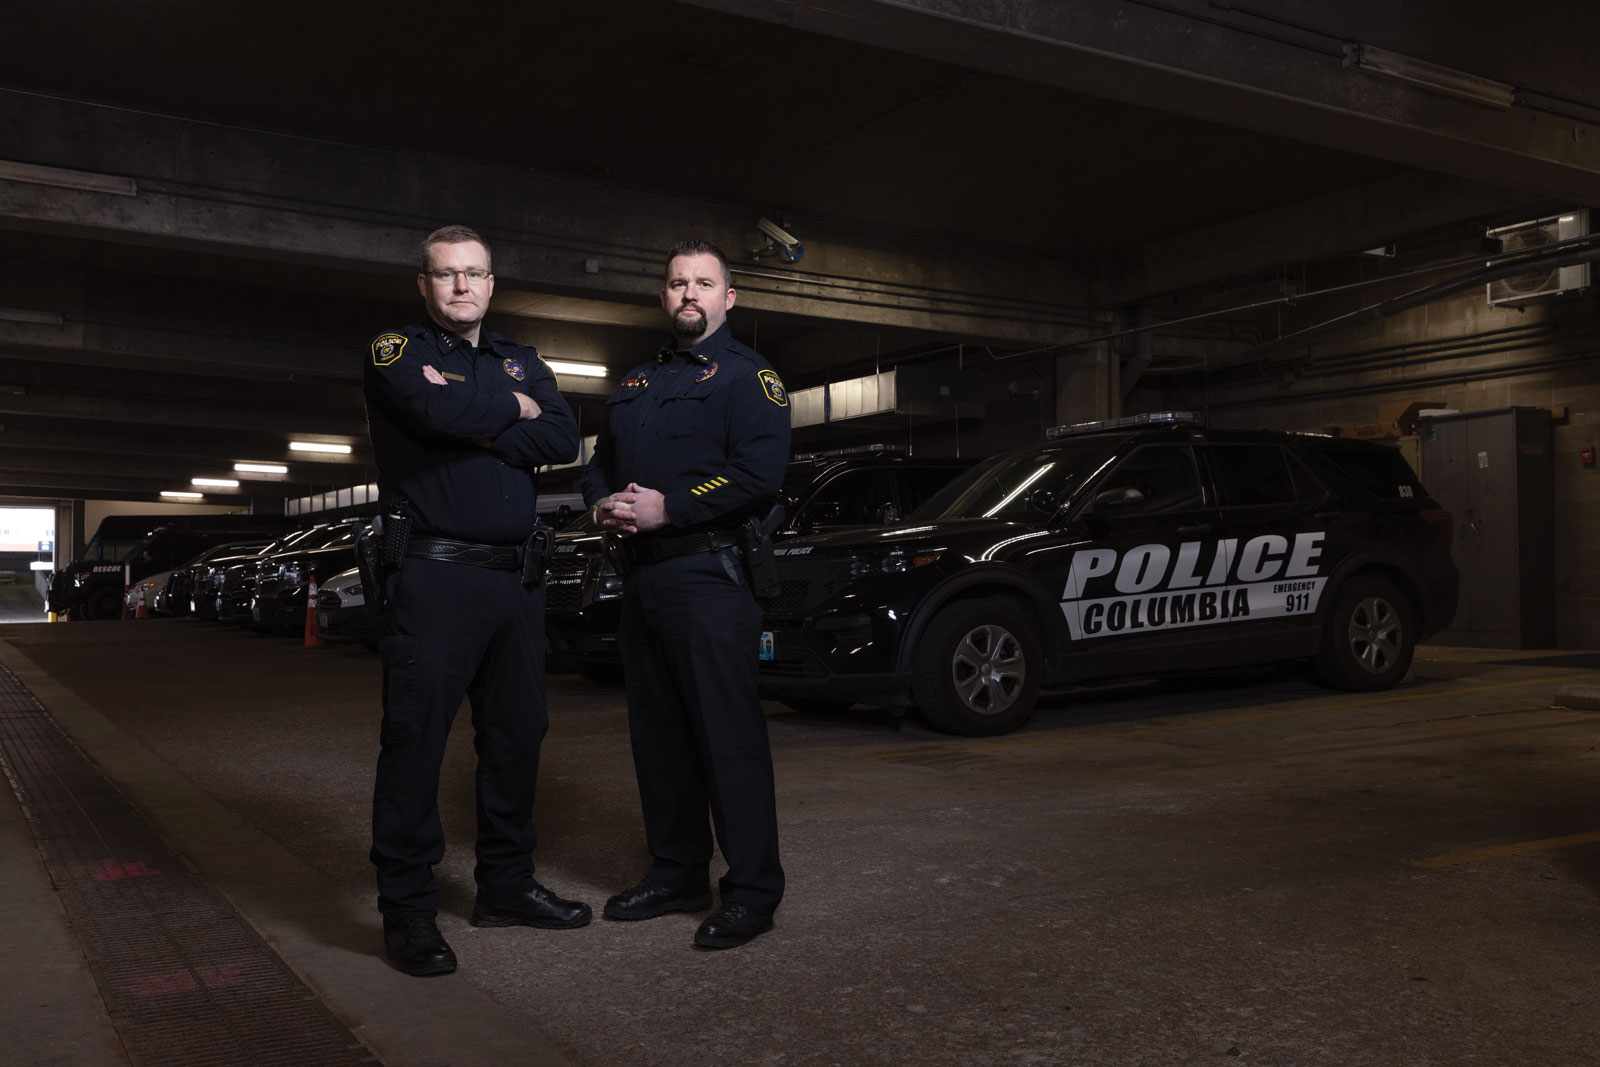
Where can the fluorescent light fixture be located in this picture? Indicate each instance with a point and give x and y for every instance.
(261, 468)
(88, 181)
(224, 483)
(587, 370)
(313, 446)
(44, 318)
(1430, 76)
(181, 495)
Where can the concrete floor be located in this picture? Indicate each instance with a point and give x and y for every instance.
(1245, 869)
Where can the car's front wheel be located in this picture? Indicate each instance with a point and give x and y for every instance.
(977, 668)
(1369, 637)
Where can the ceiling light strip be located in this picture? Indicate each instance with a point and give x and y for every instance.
(62, 178)
(586, 370)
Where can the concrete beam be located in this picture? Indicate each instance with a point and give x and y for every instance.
(255, 195)
(1233, 65)
(1321, 227)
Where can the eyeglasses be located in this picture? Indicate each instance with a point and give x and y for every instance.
(448, 277)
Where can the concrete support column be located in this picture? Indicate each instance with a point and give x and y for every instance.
(1086, 385)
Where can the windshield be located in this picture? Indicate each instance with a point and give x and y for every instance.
(143, 544)
(1026, 486)
(584, 523)
(105, 549)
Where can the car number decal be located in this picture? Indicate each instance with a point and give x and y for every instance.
(1151, 587)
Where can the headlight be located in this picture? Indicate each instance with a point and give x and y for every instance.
(865, 565)
(607, 583)
(894, 561)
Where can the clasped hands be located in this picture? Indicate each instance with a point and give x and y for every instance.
(632, 510)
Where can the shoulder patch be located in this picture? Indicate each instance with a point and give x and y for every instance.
(773, 387)
(386, 348)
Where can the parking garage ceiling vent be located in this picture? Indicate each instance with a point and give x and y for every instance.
(925, 391)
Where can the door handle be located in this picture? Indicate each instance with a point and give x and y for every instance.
(1195, 529)
(1327, 516)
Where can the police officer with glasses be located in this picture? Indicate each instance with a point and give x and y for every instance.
(460, 420)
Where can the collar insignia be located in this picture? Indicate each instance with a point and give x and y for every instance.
(514, 368)
(705, 372)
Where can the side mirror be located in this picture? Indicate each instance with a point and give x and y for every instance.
(888, 514)
(1044, 500)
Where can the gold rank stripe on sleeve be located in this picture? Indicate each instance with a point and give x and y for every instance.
(705, 487)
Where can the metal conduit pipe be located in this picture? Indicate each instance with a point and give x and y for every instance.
(1588, 251)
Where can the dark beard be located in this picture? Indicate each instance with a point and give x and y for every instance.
(694, 328)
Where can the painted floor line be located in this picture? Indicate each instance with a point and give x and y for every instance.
(1206, 724)
(1495, 852)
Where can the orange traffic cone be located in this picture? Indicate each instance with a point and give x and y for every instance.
(143, 610)
(313, 634)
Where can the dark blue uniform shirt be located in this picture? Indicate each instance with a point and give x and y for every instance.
(458, 452)
(707, 428)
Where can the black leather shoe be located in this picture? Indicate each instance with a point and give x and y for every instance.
(647, 900)
(537, 907)
(731, 926)
(417, 947)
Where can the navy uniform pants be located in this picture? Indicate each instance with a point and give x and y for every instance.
(689, 634)
(456, 630)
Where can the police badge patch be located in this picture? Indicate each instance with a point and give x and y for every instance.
(705, 372)
(514, 368)
(773, 387)
(386, 348)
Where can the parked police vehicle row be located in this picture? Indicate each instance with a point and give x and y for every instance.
(836, 489)
(133, 547)
(1128, 548)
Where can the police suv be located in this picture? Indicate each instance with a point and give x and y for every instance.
(1125, 548)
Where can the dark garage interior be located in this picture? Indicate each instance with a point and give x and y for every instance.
(1355, 221)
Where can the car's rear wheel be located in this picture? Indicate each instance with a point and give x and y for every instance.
(977, 668)
(105, 603)
(1369, 637)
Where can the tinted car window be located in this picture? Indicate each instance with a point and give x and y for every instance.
(1164, 476)
(1251, 474)
(1382, 472)
(850, 498)
(1017, 485)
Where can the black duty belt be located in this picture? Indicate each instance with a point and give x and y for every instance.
(495, 557)
(654, 549)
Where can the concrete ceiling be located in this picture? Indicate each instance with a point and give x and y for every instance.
(1138, 150)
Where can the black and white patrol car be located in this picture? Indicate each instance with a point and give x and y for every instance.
(1127, 548)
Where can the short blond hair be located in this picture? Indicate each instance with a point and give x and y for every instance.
(453, 235)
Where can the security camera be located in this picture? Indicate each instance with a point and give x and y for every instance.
(782, 241)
